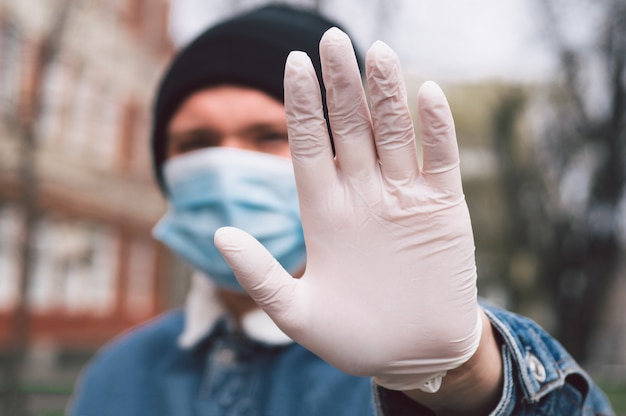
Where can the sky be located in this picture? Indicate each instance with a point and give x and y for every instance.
(437, 39)
(470, 40)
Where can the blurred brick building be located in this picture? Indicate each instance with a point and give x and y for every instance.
(94, 269)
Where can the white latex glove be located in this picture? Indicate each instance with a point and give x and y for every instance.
(390, 284)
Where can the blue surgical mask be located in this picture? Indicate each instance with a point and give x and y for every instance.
(215, 187)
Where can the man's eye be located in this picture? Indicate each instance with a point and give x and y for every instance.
(276, 136)
(189, 145)
(193, 141)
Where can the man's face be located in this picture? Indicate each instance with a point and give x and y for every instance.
(229, 116)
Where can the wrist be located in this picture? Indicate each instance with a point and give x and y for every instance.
(473, 388)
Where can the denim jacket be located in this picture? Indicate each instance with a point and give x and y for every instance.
(192, 362)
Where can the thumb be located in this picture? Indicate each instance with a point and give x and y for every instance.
(260, 274)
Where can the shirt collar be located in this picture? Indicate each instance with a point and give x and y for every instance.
(203, 309)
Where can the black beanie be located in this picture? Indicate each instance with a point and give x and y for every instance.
(249, 49)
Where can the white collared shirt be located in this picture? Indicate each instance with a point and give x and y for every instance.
(203, 308)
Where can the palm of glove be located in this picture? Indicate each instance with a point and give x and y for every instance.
(390, 284)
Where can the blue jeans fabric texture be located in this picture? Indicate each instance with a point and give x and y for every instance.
(145, 372)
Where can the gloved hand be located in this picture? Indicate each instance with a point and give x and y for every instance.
(390, 284)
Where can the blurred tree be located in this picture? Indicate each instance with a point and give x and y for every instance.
(22, 120)
(565, 197)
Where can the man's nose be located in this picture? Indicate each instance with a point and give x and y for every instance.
(237, 142)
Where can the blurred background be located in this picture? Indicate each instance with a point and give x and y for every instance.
(537, 88)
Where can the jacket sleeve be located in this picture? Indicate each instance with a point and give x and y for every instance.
(540, 376)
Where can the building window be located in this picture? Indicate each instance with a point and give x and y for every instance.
(78, 136)
(75, 268)
(56, 86)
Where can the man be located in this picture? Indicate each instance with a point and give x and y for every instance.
(362, 257)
